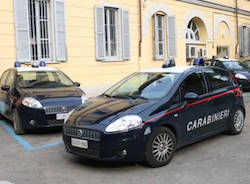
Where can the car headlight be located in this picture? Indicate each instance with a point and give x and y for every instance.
(32, 103)
(124, 124)
(84, 99)
(240, 76)
(68, 115)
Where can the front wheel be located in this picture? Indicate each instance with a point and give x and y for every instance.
(161, 147)
(237, 121)
(17, 123)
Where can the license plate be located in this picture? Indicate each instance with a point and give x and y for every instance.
(61, 116)
(79, 143)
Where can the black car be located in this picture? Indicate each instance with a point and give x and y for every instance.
(247, 63)
(151, 113)
(240, 70)
(37, 97)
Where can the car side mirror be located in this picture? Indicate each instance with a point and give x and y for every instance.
(5, 88)
(191, 96)
(77, 84)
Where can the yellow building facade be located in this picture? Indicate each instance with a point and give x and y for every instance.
(100, 41)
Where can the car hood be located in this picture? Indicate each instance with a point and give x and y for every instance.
(45, 93)
(103, 110)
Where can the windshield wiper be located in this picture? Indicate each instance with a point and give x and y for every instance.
(109, 96)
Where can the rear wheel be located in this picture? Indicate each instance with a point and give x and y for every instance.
(160, 148)
(237, 121)
(17, 123)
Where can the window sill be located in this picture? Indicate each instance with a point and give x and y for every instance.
(195, 43)
(113, 60)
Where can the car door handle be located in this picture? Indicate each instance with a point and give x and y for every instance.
(176, 115)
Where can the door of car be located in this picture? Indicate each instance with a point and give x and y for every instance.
(222, 99)
(193, 125)
(3, 93)
(10, 98)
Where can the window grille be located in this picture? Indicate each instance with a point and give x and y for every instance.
(39, 21)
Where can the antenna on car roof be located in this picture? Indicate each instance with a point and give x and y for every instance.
(35, 64)
(169, 63)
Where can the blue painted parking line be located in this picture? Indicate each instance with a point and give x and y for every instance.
(24, 143)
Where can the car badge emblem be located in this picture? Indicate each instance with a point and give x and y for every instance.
(63, 108)
(79, 132)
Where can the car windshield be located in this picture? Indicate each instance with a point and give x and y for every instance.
(234, 65)
(43, 79)
(144, 85)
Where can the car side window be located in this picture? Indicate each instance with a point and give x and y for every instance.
(10, 79)
(4, 77)
(219, 79)
(208, 63)
(194, 83)
(219, 64)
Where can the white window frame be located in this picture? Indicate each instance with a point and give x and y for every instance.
(38, 41)
(157, 42)
(118, 36)
(191, 32)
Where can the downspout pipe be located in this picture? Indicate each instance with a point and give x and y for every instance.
(237, 27)
(140, 21)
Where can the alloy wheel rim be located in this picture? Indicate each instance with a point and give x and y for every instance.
(162, 147)
(238, 120)
(14, 121)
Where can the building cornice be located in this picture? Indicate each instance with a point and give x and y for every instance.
(218, 6)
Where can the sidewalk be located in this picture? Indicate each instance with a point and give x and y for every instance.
(92, 91)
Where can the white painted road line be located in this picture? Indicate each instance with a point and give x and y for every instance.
(5, 182)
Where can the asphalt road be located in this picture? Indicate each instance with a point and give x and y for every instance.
(40, 158)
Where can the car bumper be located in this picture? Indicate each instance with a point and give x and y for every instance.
(128, 146)
(37, 118)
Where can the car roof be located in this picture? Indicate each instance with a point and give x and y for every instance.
(35, 69)
(224, 60)
(174, 69)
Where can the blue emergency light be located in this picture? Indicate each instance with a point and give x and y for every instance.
(214, 57)
(42, 63)
(199, 62)
(17, 64)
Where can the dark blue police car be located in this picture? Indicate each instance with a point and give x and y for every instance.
(239, 69)
(151, 113)
(36, 97)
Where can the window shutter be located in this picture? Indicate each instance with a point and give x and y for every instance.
(248, 41)
(157, 56)
(60, 30)
(242, 49)
(172, 36)
(23, 49)
(125, 34)
(100, 32)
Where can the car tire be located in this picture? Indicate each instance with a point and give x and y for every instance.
(160, 148)
(236, 121)
(17, 123)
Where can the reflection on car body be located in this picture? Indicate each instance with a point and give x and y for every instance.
(151, 113)
(37, 97)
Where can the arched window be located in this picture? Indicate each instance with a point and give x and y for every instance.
(193, 33)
